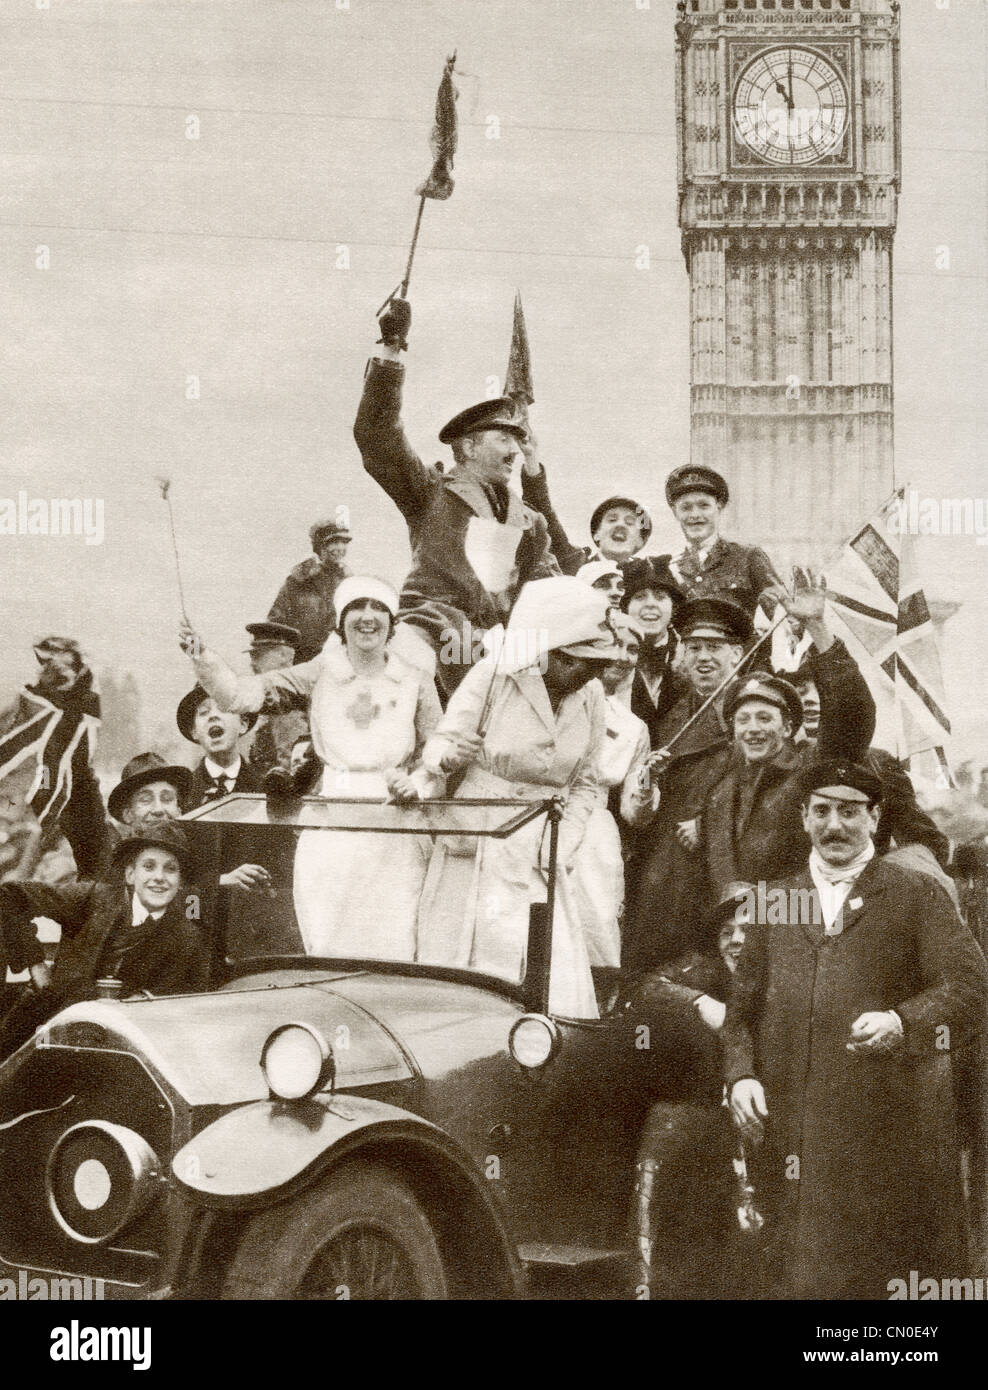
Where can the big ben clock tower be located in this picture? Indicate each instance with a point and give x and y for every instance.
(788, 164)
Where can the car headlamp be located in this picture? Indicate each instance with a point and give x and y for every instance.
(297, 1061)
(533, 1040)
(99, 1177)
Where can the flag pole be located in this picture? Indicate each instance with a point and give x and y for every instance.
(837, 551)
(411, 249)
(165, 484)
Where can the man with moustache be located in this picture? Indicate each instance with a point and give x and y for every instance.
(837, 1046)
(666, 915)
(750, 823)
(903, 821)
(474, 542)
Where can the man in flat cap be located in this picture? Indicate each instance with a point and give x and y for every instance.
(711, 567)
(846, 1011)
(284, 721)
(474, 542)
(667, 913)
(750, 823)
(305, 600)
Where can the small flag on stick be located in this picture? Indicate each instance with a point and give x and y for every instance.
(518, 377)
(439, 184)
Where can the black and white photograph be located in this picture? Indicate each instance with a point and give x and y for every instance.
(493, 766)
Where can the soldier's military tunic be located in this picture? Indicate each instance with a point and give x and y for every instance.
(728, 570)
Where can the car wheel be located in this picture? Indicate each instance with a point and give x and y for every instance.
(360, 1234)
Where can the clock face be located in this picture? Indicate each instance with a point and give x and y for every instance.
(790, 107)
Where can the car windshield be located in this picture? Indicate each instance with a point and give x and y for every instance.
(437, 883)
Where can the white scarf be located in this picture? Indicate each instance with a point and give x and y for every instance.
(833, 884)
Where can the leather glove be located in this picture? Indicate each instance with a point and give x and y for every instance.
(395, 323)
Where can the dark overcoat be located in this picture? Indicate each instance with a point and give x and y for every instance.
(751, 829)
(172, 958)
(305, 602)
(668, 912)
(731, 570)
(858, 1173)
(443, 594)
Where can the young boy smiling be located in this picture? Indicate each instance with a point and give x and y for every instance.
(132, 927)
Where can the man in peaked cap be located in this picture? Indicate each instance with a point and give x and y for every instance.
(840, 1064)
(750, 823)
(273, 646)
(474, 542)
(711, 567)
(667, 913)
(305, 600)
(903, 823)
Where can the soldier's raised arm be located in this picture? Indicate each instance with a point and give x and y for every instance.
(386, 453)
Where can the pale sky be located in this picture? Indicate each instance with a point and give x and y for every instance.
(216, 258)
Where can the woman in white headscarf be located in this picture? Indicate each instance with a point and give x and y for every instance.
(542, 736)
(370, 715)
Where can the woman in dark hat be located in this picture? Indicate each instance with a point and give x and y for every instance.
(711, 567)
(652, 598)
(130, 928)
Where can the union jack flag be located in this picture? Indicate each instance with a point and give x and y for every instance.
(57, 729)
(879, 609)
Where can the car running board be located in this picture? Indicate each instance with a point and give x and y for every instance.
(569, 1256)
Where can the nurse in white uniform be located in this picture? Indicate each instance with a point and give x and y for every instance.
(370, 715)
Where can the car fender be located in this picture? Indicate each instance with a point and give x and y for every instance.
(260, 1153)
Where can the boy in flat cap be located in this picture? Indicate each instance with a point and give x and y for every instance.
(474, 542)
(305, 600)
(750, 823)
(838, 1042)
(711, 567)
(132, 927)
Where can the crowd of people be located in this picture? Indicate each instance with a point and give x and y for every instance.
(704, 793)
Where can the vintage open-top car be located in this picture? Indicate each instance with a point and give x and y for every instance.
(327, 1128)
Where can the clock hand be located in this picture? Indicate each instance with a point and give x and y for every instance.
(790, 96)
(781, 91)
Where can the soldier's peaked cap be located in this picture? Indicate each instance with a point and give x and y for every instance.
(329, 529)
(274, 634)
(717, 617)
(499, 414)
(772, 689)
(695, 478)
(841, 781)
